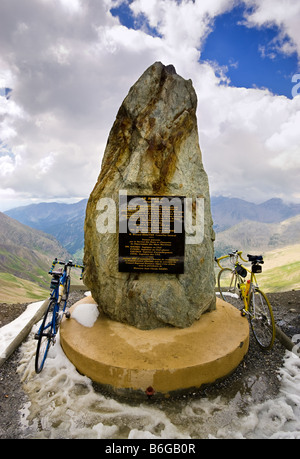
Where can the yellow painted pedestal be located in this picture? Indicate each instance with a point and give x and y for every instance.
(126, 360)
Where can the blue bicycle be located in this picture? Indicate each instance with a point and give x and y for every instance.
(60, 286)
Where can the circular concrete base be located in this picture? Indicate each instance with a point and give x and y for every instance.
(166, 360)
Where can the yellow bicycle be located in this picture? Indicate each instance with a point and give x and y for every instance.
(255, 304)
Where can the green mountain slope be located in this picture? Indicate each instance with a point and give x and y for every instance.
(239, 224)
(26, 254)
(279, 243)
(252, 236)
(64, 221)
(17, 290)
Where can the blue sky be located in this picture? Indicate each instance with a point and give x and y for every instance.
(66, 66)
(249, 56)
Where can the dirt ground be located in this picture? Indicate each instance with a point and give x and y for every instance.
(286, 307)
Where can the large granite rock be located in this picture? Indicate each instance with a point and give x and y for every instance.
(152, 149)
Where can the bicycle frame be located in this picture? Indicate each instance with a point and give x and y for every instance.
(246, 297)
(60, 287)
(56, 296)
(260, 315)
(60, 290)
(234, 256)
(57, 293)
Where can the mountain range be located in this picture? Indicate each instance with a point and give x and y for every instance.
(31, 236)
(63, 221)
(66, 221)
(250, 227)
(257, 236)
(227, 212)
(26, 252)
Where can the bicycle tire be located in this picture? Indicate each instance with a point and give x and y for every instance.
(227, 285)
(262, 319)
(44, 338)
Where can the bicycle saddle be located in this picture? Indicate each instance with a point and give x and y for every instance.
(57, 273)
(255, 258)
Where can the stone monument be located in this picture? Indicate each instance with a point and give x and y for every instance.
(149, 256)
(153, 151)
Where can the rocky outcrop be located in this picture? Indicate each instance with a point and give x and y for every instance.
(152, 149)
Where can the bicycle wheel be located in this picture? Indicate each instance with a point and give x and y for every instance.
(227, 285)
(262, 319)
(44, 338)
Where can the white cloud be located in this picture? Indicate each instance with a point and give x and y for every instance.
(181, 24)
(44, 165)
(284, 14)
(288, 133)
(6, 165)
(71, 6)
(70, 65)
(287, 160)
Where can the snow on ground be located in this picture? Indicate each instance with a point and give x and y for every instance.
(64, 404)
(12, 334)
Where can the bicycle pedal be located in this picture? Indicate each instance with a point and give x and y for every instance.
(36, 336)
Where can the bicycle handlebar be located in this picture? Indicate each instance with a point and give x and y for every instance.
(238, 253)
(66, 264)
(234, 253)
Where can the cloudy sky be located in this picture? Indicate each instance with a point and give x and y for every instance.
(66, 66)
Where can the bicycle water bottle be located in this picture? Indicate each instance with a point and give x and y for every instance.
(60, 292)
(247, 288)
(243, 289)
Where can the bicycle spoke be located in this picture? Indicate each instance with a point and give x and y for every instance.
(262, 320)
(227, 285)
(45, 337)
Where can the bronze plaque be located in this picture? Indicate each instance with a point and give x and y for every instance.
(154, 239)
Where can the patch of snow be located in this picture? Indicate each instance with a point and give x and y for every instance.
(86, 314)
(12, 333)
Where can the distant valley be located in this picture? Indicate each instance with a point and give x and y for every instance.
(252, 236)
(66, 223)
(271, 229)
(32, 235)
(227, 212)
(63, 221)
(25, 258)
